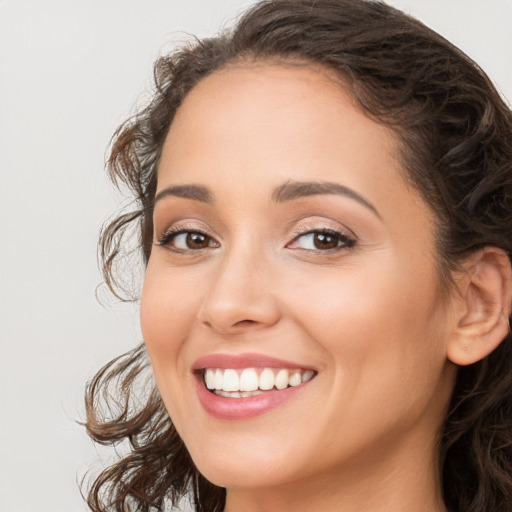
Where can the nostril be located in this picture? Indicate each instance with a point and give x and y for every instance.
(240, 323)
(245, 323)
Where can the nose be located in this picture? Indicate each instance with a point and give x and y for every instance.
(240, 294)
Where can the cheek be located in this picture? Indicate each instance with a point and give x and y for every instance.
(386, 321)
(383, 337)
(166, 317)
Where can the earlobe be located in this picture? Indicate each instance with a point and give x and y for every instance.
(482, 307)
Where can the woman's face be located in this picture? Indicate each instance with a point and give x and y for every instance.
(289, 253)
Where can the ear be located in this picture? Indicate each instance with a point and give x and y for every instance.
(482, 307)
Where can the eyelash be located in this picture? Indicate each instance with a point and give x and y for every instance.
(173, 233)
(344, 241)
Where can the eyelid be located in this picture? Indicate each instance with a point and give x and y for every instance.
(173, 231)
(183, 225)
(323, 224)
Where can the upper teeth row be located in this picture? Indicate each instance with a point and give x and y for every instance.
(249, 380)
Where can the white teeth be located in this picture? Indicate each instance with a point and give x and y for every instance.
(219, 379)
(242, 383)
(295, 378)
(307, 375)
(210, 378)
(266, 379)
(231, 381)
(237, 394)
(249, 380)
(232, 394)
(281, 380)
(243, 394)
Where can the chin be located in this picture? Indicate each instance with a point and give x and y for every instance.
(231, 473)
(247, 461)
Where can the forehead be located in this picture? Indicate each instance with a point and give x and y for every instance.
(248, 128)
(287, 117)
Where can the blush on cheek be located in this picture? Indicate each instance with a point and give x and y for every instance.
(157, 311)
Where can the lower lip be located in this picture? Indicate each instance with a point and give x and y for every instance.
(225, 408)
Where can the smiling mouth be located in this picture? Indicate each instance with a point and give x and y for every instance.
(242, 383)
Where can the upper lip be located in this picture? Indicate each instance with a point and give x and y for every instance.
(248, 360)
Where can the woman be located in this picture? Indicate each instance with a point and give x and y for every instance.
(324, 204)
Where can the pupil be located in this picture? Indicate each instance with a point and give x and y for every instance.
(196, 240)
(325, 241)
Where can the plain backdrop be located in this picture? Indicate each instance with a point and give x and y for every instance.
(70, 72)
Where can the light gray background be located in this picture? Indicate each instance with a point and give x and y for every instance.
(70, 72)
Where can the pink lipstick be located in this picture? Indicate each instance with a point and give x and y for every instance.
(241, 386)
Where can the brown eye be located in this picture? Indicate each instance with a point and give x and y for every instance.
(325, 241)
(185, 240)
(197, 241)
(322, 240)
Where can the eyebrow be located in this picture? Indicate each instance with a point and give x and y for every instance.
(297, 189)
(195, 192)
(288, 191)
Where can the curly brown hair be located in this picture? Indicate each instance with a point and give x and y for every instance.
(455, 134)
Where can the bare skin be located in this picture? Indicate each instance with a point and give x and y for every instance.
(343, 280)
